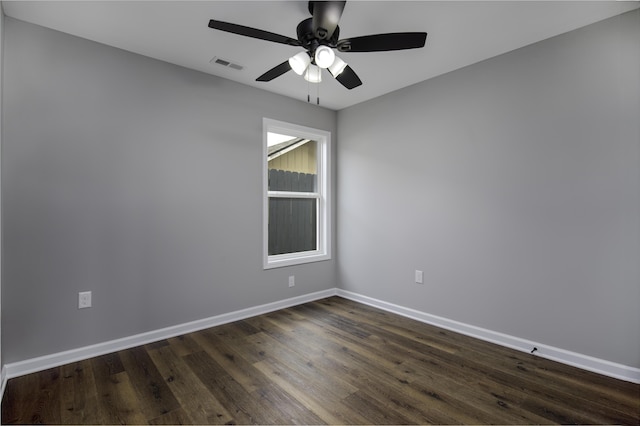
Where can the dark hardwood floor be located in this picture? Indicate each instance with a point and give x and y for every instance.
(332, 361)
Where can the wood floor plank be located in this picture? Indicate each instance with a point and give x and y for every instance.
(320, 337)
(239, 402)
(293, 410)
(20, 404)
(79, 398)
(175, 417)
(184, 345)
(375, 411)
(302, 364)
(33, 399)
(112, 409)
(327, 406)
(153, 393)
(231, 361)
(331, 361)
(195, 399)
(50, 393)
(118, 402)
(277, 329)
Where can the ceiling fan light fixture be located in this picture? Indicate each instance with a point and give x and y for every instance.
(337, 67)
(313, 74)
(324, 56)
(299, 62)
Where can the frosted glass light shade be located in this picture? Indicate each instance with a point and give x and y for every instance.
(313, 74)
(324, 56)
(299, 62)
(337, 67)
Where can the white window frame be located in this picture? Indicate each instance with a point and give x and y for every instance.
(323, 195)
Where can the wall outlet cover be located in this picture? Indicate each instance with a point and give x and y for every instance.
(84, 299)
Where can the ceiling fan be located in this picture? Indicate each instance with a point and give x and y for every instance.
(318, 35)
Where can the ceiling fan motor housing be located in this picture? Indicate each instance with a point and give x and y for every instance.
(308, 38)
(325, 15)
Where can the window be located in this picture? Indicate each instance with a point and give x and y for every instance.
(296, 208)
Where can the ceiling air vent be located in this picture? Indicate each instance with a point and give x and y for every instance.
(225, 63)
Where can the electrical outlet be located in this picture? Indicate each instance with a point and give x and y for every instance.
(419, 276)
(292, 280)
(84, 299)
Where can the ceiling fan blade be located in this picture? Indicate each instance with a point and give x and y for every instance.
(326, 15)
(383, 42)
(252, 32)
(275, 72)
(348, 78)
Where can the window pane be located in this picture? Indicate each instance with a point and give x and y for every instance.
(281, 180)
(293, 165)
(292, 225)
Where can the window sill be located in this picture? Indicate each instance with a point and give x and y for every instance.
(282, 260)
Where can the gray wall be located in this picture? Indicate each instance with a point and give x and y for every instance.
(138, 180)
(514, 184)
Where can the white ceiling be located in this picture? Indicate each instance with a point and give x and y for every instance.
(459, 34)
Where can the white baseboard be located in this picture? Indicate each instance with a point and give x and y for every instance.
(607, 368)
(3, 381)
(585, 362)
(33, 365)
